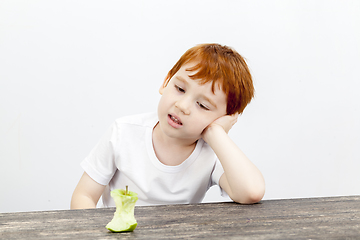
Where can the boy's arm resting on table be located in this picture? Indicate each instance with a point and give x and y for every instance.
(87, 193)
(241, 179)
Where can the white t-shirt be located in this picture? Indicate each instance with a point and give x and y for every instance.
(125, 156)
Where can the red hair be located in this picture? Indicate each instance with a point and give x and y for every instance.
(223, 66)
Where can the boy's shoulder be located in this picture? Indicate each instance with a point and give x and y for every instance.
(143, 119)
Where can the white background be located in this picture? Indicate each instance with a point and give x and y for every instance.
(69, 68)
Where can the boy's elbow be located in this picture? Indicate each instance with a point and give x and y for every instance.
(251, 197)
(254, 197)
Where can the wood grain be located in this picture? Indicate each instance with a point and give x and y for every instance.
(311, 218)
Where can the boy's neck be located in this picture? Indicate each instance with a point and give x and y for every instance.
(171, 151)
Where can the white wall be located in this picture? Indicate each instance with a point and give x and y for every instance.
(69, 68)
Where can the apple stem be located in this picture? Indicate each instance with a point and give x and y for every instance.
(126, 192)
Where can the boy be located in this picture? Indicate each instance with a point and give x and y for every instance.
(176, 155)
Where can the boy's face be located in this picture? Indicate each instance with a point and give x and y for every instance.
(186, 108)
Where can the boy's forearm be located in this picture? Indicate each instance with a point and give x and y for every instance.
(245, 181)
(81, 202)
(86, 193)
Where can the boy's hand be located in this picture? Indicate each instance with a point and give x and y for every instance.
(225, 122)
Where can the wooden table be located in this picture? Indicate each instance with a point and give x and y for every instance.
(309, 218)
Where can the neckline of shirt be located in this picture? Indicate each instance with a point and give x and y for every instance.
(166, 168)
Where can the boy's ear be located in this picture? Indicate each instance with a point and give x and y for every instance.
(161, 90)
(163, 86)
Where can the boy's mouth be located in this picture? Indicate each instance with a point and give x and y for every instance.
(175, 120)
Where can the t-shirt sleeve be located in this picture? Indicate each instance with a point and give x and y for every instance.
(215, 177)
(100, 163)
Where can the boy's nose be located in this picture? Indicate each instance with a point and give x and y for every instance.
(183, 105)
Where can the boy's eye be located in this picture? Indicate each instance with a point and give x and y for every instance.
(179, 89)
(203, 106)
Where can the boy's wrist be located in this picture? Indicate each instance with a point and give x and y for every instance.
(212, 132)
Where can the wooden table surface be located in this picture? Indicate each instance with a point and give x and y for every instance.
(309, 218)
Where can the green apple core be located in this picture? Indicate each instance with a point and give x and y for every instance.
(123, 220)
